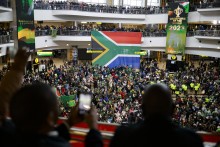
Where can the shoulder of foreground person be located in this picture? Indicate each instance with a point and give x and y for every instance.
(139, 135)
(63, 131)
(94, 139)
(27, 140)
(122, 134)
(7, 131)
(10, 138)
(190, 137)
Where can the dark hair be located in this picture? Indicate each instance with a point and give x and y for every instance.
(31, 105)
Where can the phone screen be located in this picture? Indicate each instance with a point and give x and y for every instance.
(85, 101)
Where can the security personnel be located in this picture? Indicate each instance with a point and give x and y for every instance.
(207, 100)
(177, 92)
(184, 87)
(196, 87)
(192, 85)
(173, 87)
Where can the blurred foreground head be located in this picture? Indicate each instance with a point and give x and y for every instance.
(34, 109)
(157, 101)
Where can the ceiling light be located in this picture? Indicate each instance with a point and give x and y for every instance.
(214, 22)
(89, 44)
(83, 22)
(67, 44)
(218, 47)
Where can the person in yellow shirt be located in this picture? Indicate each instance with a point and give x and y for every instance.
(177, 92)
(196, 87)
(192, 85)
(184, 87)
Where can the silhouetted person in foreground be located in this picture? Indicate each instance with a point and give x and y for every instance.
(34, 113)
(157, 130)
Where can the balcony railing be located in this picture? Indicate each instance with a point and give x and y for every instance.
(114, 9)
(207, 5)
(208, 33)
(63, 33)
(88, 33)
(102, 9)
(5, 39)
(154, 34)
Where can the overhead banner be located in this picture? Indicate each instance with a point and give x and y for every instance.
(25, 23)
(116, 48)
(177, 27)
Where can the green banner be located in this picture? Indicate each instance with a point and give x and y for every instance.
(177, 28)
(68, 100)
(54, 33)
(25, 23)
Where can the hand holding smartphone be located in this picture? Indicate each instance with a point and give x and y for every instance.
(85, 101)
(84, 111)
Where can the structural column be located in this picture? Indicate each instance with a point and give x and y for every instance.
(121, 2)
(75, 24)
(14, 24)
(119, 25)
(145, 3)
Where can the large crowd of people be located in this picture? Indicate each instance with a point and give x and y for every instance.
(33, 110)
(117, 92)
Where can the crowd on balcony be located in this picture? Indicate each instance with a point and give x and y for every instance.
(5, 35)
(103, 8)
(5, 31)
(83, 30)
(5, 3)
(86, 30)
(117, 93)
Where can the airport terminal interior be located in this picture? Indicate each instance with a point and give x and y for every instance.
(110, 65)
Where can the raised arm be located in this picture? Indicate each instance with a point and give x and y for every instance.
(12, 82)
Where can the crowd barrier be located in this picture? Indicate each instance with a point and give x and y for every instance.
(79, 131)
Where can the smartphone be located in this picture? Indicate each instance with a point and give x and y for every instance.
(85, 101)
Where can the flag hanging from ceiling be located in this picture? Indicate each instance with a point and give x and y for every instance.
(118, 48)
(25, 23)
(177, 28)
